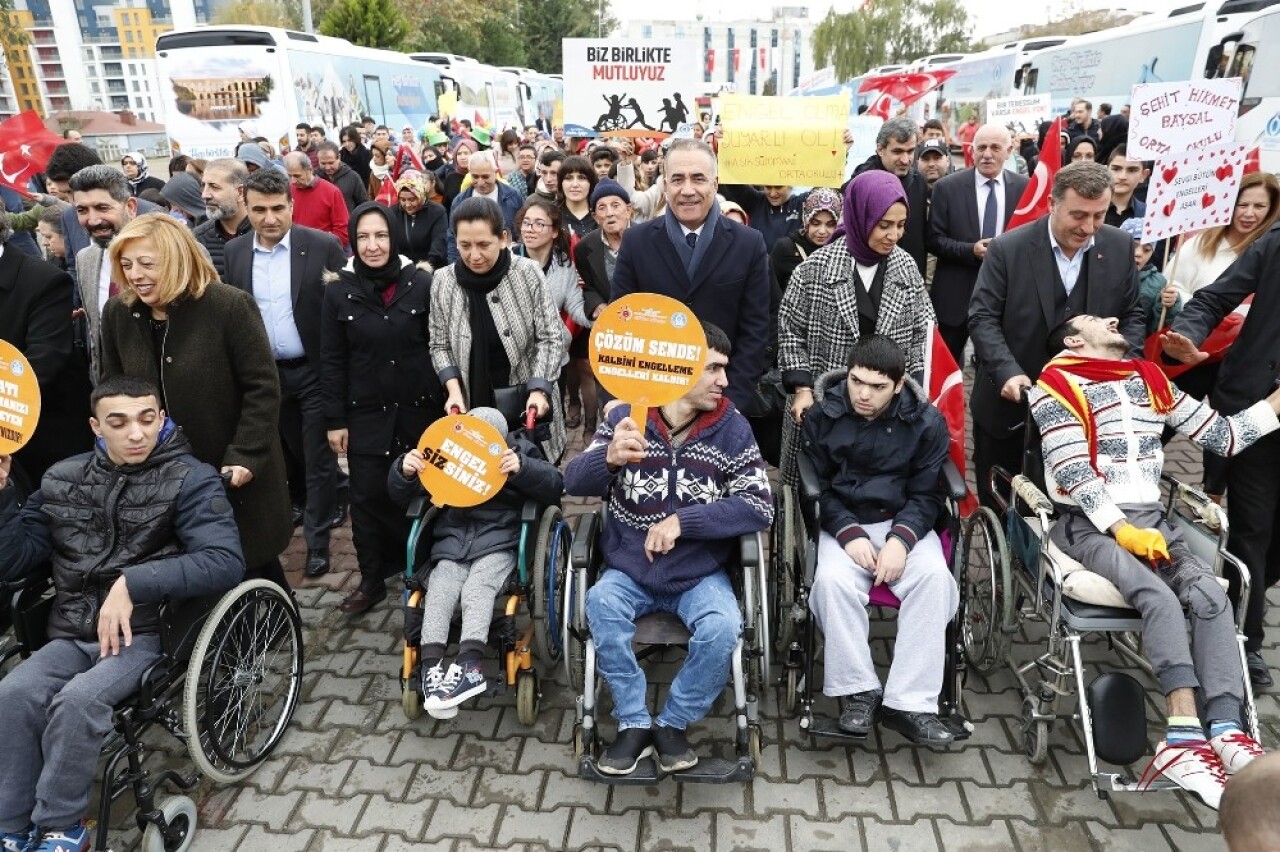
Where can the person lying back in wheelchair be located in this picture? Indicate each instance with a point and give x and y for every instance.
(1100, 419)
(135, 522)
(679, 495)
(878, 448)
(473, 551)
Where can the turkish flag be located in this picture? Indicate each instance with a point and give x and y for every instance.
(1216, 343)
(1252, 162)
(25, 147)
(880, 106)
(944, 384)
(735, 57)
(386, 195)
(406, 160)
(1034, 202)
(763, 59)
(479, 120)
(711, 62)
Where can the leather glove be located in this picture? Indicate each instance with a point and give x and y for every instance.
(1148, 544)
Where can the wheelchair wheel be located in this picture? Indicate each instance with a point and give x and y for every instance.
(792, 694)
(550, 569)
(243, 681)
(410, 702)
(526, 697)
(180, 815)
(782, 545)
(1035, 733)
(572, 629)
(984, 570)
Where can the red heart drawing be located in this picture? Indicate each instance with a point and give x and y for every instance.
(1206, 199)
(1225, 171)
(1168, 208)
(1170, 173)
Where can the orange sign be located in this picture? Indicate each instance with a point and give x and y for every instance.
(647, 349)
(19, 400)
(462, 461)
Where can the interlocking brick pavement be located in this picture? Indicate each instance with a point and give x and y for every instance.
(354, 774)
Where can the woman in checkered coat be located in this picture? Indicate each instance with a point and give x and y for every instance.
(858, 284)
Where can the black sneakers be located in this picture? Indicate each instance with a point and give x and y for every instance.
(673, 749)
(631, 746)
(924, 729)
(1259, 673)
(858, 712)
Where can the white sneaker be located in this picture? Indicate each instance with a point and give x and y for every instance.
(1236, 750)
(1195, 767)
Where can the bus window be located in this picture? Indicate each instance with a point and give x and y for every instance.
(1029, 76)
(373, 97)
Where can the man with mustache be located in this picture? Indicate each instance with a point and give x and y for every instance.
(103, 205)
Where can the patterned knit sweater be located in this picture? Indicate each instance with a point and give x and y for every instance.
(713, 480)
(1130, 456)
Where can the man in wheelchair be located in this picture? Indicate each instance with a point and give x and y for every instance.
(1100, 419)
(473, 551)
(878, 448)
(136, 521)
(679, 494)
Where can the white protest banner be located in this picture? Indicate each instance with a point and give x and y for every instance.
(1020, 115)
(629, 87)
(793, 141)
(863, 128)
(1168, 118)
(1192, 191)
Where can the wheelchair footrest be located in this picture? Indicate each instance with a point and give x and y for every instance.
(825, 726)
(709, 770)
(959, 726)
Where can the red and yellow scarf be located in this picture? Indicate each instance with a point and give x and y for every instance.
(1056, 381)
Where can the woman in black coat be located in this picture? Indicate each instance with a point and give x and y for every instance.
(819, 218)
(420, 223)
(380, 391)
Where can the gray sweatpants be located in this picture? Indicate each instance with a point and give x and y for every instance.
(929, 596)
(55, 713)
(473, 586)
(1210, 661)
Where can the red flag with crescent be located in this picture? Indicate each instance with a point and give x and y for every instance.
(1034, 202)
(25, 147)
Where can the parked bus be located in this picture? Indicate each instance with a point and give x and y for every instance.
(214, 79)
(538, 95)
(484, 92)
(1256, 60)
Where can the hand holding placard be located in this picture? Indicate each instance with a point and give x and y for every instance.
(461, 461)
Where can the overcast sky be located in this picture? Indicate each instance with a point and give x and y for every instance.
(989, 16)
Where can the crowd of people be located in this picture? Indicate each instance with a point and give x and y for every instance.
(261, 316)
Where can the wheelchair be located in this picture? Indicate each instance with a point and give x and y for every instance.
(749, 663)
(226, 686)
(1015, 575)
(542, 555)
(793, 576)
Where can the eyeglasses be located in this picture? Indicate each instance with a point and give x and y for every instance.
(534, 225)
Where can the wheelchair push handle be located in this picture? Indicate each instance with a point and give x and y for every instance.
(531, 417)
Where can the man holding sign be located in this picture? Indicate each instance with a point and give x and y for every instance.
(697, 455)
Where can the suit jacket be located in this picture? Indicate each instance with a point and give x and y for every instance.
(311, 254)
(588, 257)
(730, 288)
(1012, 311)
(953, 231)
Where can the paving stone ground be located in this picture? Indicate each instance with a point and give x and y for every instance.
(354, 774)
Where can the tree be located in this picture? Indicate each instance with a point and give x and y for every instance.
(261, 13)
(1080, 23)
(372, 23)
(889, 31)
(486, 32)
(545, 22)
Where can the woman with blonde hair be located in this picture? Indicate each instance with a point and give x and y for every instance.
(203, 344)
(1211, 252)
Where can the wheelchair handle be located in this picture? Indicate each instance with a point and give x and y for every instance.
(531, 417)
(1032, 496)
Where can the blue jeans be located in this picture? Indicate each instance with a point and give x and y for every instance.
(709, 610)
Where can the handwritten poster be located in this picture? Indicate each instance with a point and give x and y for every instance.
(1169, 118)
(1193, 191)
(783, 141)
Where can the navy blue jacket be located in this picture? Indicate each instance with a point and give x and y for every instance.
(509, 199)
(773, 223)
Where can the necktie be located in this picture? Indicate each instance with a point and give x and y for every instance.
(691, 238)
(989, 213)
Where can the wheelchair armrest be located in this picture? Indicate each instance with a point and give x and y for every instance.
(1209, 512)
(956, 487)
(749, 550)
(809, 488)
(530, 512)
(1032, 496)
(416, 506)
(585, 541)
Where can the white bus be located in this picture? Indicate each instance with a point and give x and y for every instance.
(1257, 61)
(214, 79)
(483, 91)
(538, 95)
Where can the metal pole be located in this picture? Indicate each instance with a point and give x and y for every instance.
(307, 25)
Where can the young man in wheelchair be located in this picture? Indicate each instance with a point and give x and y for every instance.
(135, 522)
(878, 448)
(473, 551)
(680, 492)
(1100, 418)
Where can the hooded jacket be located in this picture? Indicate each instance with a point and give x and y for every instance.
(165, 524)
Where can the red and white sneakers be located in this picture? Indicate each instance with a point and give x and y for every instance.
(1236, 750)
(1193, 766)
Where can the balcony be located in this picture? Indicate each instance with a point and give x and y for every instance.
(51, 72)
(39, 38)
(117, 89)
(56, 88)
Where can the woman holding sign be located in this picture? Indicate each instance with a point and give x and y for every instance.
(495, 335)
(858, 284)
(379, 389)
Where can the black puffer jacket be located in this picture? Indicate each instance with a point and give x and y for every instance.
(422, 235)
(166, 524)
(870, 471)
(209, 234)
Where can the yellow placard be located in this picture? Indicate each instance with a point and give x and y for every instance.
(557, 113)
(647, 349)
(447, 104)
(19, 400)
(783, 141)
(463, 454)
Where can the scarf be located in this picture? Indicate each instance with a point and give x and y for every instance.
(1055, 380)
(137, 157)
(453, 152)
(379, 278)
(866, 199)
(380, 171)
(485, 368)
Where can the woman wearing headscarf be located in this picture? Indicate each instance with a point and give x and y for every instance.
(380, 391)
(421, 224)
(1082, 149)
(860, 283)
(452, 176)
(135, 169)
(819, 218)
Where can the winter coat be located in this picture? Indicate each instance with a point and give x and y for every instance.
(214, 239)
(422, 235)
(509, 201)
(563, 290)
(350, 184)
(1150, 283)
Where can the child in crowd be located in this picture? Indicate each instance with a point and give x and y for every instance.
(1155, 294)
(473, 551)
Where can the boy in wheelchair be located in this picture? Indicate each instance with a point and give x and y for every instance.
(136, 521)
(1100, 419)
(878, 448)
(679, 492)
(473, 551)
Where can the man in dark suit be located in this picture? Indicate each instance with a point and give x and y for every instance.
(281, 264)
(969, 209)
(1032, 278)
(35, 317)
(720, 269)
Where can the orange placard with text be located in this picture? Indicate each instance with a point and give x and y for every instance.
(462, 455)
(19, 400)
(648, 350)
